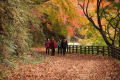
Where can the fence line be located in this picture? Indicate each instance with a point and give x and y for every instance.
(95, 50)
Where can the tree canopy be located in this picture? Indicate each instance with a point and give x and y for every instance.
(107, 17)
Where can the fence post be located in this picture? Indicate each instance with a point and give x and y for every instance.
(88, 49)
(85, 50)
(113, 52)
(76, 48)
(92, 50)
(103, 50)
(70, 49)
(108, 50)
(80, 49)
(119, 53)
(97, 49)
(73, 49)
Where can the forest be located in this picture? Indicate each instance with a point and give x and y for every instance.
(26, 24)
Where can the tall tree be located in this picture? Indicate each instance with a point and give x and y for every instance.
(109, 14)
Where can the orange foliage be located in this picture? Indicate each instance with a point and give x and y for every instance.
(75, 23)
(70, 31)
(80, 12)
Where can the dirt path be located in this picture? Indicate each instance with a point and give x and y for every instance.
(70, 67)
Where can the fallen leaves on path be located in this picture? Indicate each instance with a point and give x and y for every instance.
(70, 67)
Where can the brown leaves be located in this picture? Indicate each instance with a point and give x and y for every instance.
(70, 67)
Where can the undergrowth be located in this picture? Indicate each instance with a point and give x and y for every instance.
(14, 61)
(33, 58)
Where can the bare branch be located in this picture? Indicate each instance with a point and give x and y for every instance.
(100, 2)
(98, 16)
(104, 9)
(86, 13)
(87, 7)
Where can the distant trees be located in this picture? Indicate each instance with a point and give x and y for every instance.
(107, 19)
(56, 16)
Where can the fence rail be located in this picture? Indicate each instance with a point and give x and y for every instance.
(95, 50)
